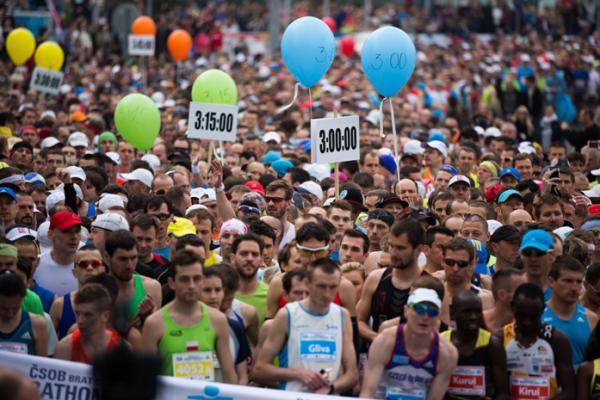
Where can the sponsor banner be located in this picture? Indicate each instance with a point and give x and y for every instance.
(467, 381)
(65, 380)
(529, 388)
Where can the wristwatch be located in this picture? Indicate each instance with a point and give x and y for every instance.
(331, 388)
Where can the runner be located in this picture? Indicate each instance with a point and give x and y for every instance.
(504, 283)
(537, 256)
(186, 333)
(411, 360)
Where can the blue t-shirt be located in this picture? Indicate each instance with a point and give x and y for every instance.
(46, 296)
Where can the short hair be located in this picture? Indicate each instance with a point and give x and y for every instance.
(363, 179)
(214, 271)
(327, 265)
(230, 275)
(120, 239)
(452, 202)
(298, 175)
(247, 237)
(183, 258)
(436, 230)
(439, 195)
(288, 277)
(477, 218)
(285, 254)
(457, 244)
(108, 282)
(546, 199)
(11, 284)
(355, 233)
(312, 230)
(354, 266)
(342, 205)
(261, 228)
(191, 240)
(576, 248)
(592, 274)
(145, 221)
(575, 156)
(413, 230)
(522, 156)
(429, 282)
(157, 201)
(94, 293)
(489, 212)
(25, 265)
(558, 144)
(367, 151)
(529, 291)
(502, 279)
(201, 214)
(280, 184)
(565, 263)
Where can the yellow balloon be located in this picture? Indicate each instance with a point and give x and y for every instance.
(20, 45)
(49, 55)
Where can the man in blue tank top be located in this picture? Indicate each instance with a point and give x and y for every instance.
(563, 310)
(411, 361)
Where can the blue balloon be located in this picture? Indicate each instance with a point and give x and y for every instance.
(308, 48)
(388, 58)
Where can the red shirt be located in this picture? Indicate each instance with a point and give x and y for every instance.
(77, 352)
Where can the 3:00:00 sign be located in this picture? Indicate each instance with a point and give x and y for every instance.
(338, 139)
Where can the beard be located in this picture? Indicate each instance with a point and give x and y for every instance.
(402, 263)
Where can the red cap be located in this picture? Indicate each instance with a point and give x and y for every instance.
(28, 128)
(255, 186)
(594, 209)
(63, 220)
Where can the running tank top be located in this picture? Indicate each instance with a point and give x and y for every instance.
(67, 319)
(21, 339)
(577, 329)
(388, 302)
(77, 351)
(472, 377)
(407, 378)
(532, 370)
(336, 300)
(235, 312)
(314, 342)
(138, 295)
(188, 351)
(595, 381)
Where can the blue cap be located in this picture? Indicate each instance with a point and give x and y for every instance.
(508, 194)
(306, 145)
(449, 168)
(510, 171)
(270, 157)
(8, 191)
(482, 257)
(388, 163)
(537, 239)
(34, 178)
(435, 135)
(281, 166)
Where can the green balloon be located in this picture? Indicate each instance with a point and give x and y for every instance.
(138, 120)
(215, 87)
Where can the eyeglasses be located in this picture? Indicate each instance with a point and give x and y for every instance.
(422, 309)
(162, 217)
(84, 264)
(451, 263)
(507, 159)
(308, 251)
(531, 252)
(249, 210)
(275, 200)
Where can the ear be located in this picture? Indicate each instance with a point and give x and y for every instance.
(426, 250)
(105, 257)
(494, 247)
(171, 283)
(551, 281)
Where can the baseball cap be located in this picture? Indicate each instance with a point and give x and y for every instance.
(354, 197)
(107, 136)
(391, 199)
(29, 128)
(255, 186)
(563, 232)
(510, 171)
(449, 168)
(181, 227)
(21, 144)
(272, 136)
(78, 116)
(152, 160)
(9, 192)
(413, 146)
(50, 141)
(507, 233)
(110, 200)
(141, 175)
(111, 222)
(459, 178)
(207, 196)
(493, 225)
(490, 167)
(507, 194)
(18, 232)
(281, 166)
(78, 139)
(63, 220)
(436, 135)
(381, 215)
(77, 173)
(492, 131)
(439, 146)
(422, 216)
(114, 157)
(312, 188)
(537, 239)
(8, 250)
(234, 226)
(423, 295)
(34, 178)
(318, 171)
(387, 161)
(270, 157)
(595, 172)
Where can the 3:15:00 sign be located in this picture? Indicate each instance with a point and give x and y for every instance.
(212, 121)
(338, 139)
(334, 139)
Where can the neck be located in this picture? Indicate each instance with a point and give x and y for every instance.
(313, 307)
(96, 337)
(148, 259)
(415, 341)
(537, 280)
(561, 308)
(499, 315)
(501, 264)
(123, 285)
(465, 335)
(248, 285)
(434, 169)
(429, 267)
(62, 257)
(185, 308)
(453, 289)
(408, 274)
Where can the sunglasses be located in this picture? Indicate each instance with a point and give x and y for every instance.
(275, 200)
(531, 252)
(84, 264)
(308, 251)
(422, 309)
(162, 217)
(451, 263)
(249, 210)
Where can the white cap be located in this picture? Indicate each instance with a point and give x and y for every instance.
(78, 139)
(233, 225)
(423, 295)
(479, 130)
(318, 171)
(111, 222)
(384, 151)
(19, 232)
(413, 146)
(207, 196)
(374, 117)
(49, 142)
(272, 136)
(78, 191)
(196, 193)
(439, 146)
(527, 148)
(459, 178)
(76, 172)
(593, 192)
(492, 131)
(153, 160)
(49, 114)
(525, 58)
(312, 188)
(493, 225)
(195, 207)
(141, 175)
(110, 200)
(595, 172)
(114, 156)
(43, 239)
(53, 199)
(563, 232)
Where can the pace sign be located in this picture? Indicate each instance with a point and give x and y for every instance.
(334, 139)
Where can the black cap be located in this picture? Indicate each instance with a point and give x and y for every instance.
(422, 215)
(382, 215)
(21, 144)
(391, 199)
(506, 232)
(354, 197)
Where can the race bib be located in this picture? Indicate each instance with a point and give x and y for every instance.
(317, 346)
(396, 393)
(197, 366)
(529, 388)
(467, 381)
(14, 347)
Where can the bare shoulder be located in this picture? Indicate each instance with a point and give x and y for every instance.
(248, 310)
(155, 318)
(37, 321)
(149, 282)
(448, 354)
(441, 275)
(346, 284)
(216, 316)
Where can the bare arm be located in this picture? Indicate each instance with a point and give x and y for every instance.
(499, 371)
(363, 307)
(216, 180)
(63, 349)
(251, 318)
(275, 290)
(56, 310)
(40, 334)
(584, 376)
(154, 291)
(379, 353)
(487, 299)
(565, 375)
(592, 318)
(445, 366)
(152, 332)
(347, 296)
(349, 378)
(221, 328)
(241, 370)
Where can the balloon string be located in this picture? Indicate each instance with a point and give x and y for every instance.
(381, 117)
(222, 151)
(395, 138)
(310, 104)
(282, 109)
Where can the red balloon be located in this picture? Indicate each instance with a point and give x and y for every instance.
(330, 23)
(347, 45)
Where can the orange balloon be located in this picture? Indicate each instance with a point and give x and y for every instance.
(143, 26)
(179, 44)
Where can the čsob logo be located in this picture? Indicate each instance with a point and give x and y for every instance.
(210, 393)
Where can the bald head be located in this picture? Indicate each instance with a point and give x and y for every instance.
(519, 218)
(465, 299)
(466, 311)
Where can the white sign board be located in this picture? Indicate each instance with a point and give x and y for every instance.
(212, 121)
(334, 139)
(46, 81)
(141, 45)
